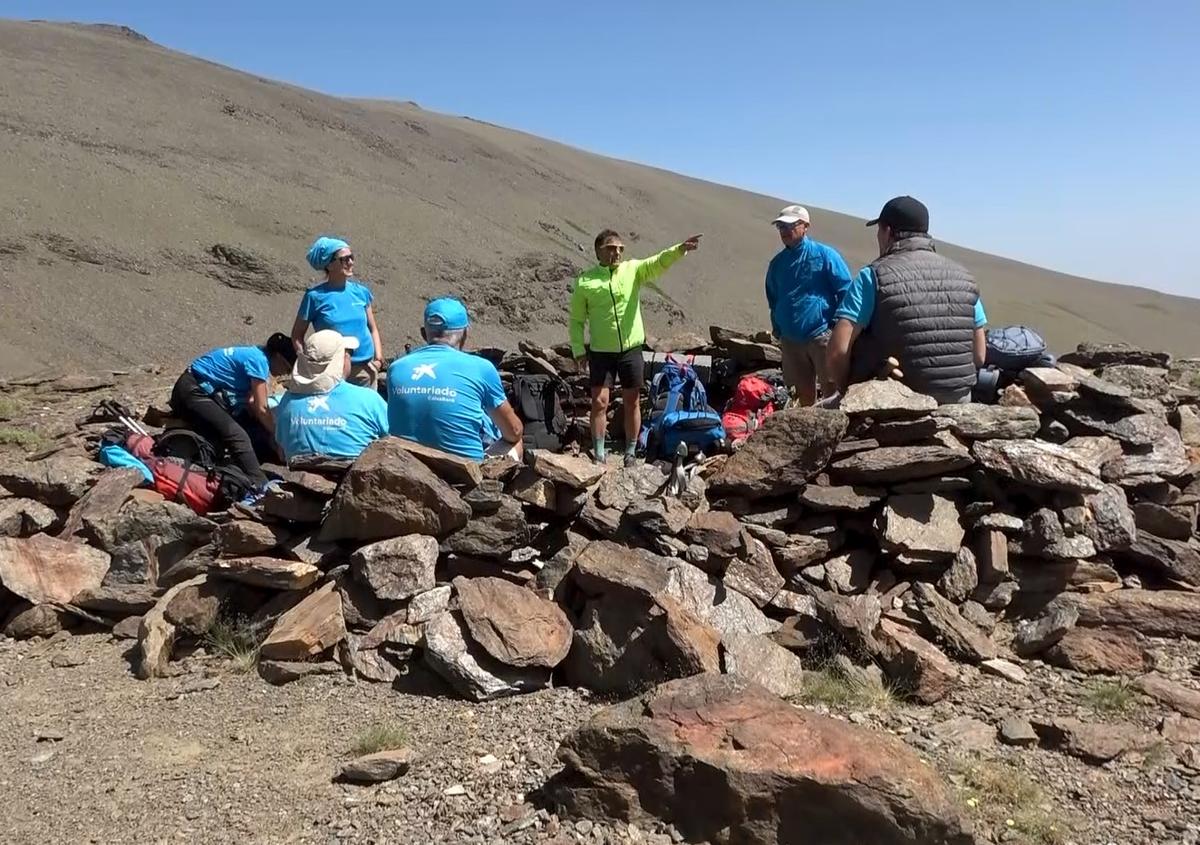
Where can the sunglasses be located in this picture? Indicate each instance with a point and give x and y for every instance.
(345, 259)
(787, 227)
(617, 247)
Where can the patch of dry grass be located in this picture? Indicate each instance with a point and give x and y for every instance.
(27, 439)
(1004, 799)
(834, 688)
(235, 639)
(383, 737)
(1110, 698)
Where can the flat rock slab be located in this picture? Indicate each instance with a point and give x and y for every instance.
(851, 499)
(811, 780)
(1110, 651)
(105, 497)
(309, 628)
(1092, 743)
(883, 399)
(272, 573)
(1155, 613)
(280, 672)
(1094, 355)
(791, 447)
(1182, 699)
(921, 524)
(892, 464)
(58, 481)
(378, 767)
(42, 569)
(470, 670)
(450, 468)
(246, 537)
(956, 634)
(514, 625)
(118, 600)
(575, 471)
(1038, 464)
(990, 422)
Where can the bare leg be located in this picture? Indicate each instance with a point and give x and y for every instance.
(631, 399)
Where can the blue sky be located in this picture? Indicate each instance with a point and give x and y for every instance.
(1061, 132)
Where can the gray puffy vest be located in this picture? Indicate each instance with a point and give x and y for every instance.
(924, 318)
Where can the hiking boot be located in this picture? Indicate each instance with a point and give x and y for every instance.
(630, 459)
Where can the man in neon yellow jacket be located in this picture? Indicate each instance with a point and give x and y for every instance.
(607, 300)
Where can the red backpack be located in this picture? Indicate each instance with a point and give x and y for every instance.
(201, 488)
(753, 401)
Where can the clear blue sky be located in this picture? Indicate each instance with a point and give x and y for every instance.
(1061, 132)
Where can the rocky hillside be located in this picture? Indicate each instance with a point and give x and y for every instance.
(156, 205)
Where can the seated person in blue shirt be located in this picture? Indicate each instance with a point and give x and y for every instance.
(443, 397)
(226, 389)
(914, 305)
(322, 414)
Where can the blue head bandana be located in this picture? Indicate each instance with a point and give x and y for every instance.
(323, 250)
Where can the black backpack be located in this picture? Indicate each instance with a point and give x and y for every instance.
(187, 446)
(537, 399)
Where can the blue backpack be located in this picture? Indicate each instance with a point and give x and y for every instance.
(680, 413)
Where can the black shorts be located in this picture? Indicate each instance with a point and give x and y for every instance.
(628, 368)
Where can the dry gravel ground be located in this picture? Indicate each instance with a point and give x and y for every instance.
(156, 205)
(94, 755)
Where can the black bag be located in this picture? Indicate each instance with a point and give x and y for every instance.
(537, 399)
(187, 446)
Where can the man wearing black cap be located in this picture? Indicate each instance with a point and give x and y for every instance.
(911, 304)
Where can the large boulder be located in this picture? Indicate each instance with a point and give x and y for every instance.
(1155, 613)
(1112, 525)
(791, 447)
(513, 624)
(105, 497)
(723, 760)
(388, 492)
(761, 660)
(1114, 651)
(724, 608)
(630, 632)
(916, 667)
(468, 668)
(397, 568)
(1038, 464)
(41, 569)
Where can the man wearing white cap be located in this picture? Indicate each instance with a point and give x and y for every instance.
(322, 414)
(805, 282)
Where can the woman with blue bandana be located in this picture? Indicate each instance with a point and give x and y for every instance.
(343, 305)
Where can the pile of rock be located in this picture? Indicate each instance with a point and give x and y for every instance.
(910, 535)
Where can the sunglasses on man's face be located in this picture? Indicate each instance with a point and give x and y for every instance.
(617, 247)
(345, 259)
(787, 227)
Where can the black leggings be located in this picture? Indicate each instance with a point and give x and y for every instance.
(210, 419)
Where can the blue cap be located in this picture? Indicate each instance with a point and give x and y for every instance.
(446, 314)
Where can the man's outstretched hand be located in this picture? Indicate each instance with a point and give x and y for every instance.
(692, 243)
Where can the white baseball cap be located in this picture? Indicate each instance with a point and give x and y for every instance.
(792, 214)
(318, 368)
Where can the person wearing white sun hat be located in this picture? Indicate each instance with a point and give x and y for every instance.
(805, 282)
(322, 414)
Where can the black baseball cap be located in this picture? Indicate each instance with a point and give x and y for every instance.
(903, 214)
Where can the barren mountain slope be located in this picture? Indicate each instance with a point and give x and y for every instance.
(155, 205)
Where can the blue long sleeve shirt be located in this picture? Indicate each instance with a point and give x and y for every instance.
(805, 283)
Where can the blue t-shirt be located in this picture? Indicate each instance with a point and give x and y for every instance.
(441, 397)
(231, 369)
(337, 424)
(343, 309)
(858, 302)
(804, 284)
